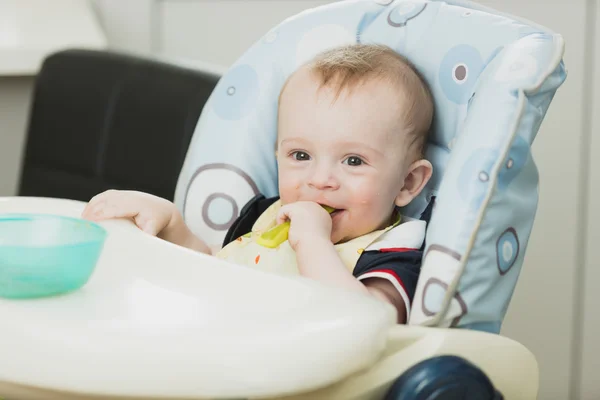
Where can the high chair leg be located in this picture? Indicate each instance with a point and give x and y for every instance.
(443, 378)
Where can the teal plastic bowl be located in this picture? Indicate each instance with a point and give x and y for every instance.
(44, 255)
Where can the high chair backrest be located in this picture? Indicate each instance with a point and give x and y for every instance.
(492, 76)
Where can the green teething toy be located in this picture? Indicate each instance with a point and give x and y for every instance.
(279, 234)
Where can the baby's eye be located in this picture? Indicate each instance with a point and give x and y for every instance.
(300, 156)
(353, 161)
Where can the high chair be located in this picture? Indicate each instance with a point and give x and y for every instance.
(160, 321)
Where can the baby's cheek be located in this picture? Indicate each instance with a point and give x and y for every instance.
(371, 204)
(288, 190)
(366, 195)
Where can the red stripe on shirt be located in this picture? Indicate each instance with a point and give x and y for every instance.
(394, 274)
(396, 249)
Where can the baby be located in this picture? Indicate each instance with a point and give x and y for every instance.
(352, 126)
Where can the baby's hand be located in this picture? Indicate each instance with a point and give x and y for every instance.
(309, 222)
(150, 213)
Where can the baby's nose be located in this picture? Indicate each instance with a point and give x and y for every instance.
(323, 179)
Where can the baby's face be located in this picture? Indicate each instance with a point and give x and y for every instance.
(348, 154)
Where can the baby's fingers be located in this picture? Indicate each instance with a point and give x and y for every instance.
(283, 215)
(150, 226)
(94, 208)
(110, 204)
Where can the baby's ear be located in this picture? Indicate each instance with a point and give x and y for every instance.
(417, 176)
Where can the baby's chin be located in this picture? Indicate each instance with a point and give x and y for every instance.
(342, 233)
(341, 236)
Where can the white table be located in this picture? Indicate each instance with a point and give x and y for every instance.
(156, 320)
(159, 320)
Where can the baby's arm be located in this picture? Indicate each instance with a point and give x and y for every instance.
(154, 215)
(310, 237)
(318, 259)
(179, 233)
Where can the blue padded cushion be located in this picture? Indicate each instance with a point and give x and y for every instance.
(493, 77)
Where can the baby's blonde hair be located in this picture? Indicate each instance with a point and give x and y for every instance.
(348, 66)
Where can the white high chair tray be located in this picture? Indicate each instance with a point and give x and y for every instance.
(159, 320)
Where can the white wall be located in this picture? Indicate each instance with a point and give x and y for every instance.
(174, 28)
(129, 25)
(556, 292)
(587, 342)
(179, 23)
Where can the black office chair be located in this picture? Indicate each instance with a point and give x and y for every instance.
(103, 120)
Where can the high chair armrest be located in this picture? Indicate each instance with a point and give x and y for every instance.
(510, 366)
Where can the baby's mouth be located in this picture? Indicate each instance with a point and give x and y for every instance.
(335, 212)
(332, 211)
